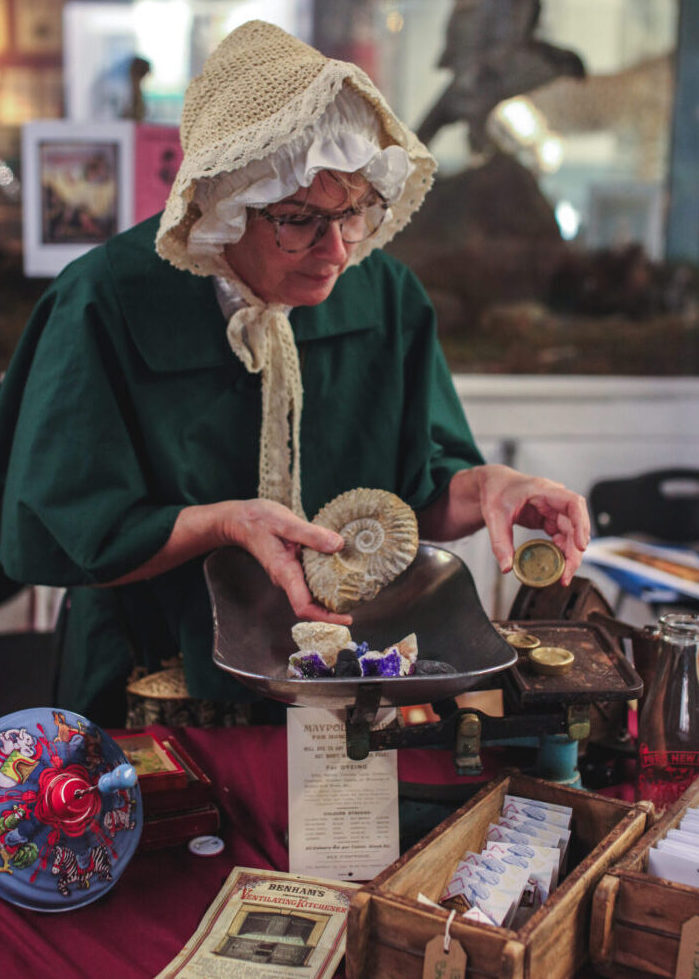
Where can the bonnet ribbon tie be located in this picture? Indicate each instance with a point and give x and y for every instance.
(262, 338)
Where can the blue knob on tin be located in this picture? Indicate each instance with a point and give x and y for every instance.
(121, 777)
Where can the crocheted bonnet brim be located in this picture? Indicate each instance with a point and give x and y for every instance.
(259, 88)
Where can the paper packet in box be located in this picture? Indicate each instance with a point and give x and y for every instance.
(512, 879)
(513, 809)
(540, 862)
(544, 832)
(689, 826)
(476, 914)
(473, 914)
(690, 841)
(551, 806)
(668, 861)
(679, 849)
(541, 826)
(477, 887)
(530, 832)
(501, 833)
(461, 876)
(690, 855)
(423, 899)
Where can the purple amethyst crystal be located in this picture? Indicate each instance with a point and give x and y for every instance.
(308, 664)
(381, 664)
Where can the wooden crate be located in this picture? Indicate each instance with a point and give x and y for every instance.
(637, 919)
(388, 929)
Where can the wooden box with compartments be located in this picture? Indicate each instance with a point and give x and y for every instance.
(388, 927)
(637, 918)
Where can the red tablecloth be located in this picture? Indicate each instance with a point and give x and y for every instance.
(135, 929)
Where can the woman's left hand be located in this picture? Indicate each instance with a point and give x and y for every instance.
(509, 497)
(499, 497)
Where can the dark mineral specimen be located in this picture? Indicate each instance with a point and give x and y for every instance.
(432, 667)
(347, 663)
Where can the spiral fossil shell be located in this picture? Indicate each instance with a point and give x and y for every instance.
(381, 540)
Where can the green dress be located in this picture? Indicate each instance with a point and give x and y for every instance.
(124, 403)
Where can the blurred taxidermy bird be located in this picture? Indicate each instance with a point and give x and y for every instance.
(493, 55)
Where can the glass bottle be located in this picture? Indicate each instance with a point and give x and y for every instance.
(668, 729)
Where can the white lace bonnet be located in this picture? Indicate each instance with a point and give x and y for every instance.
(265, 115)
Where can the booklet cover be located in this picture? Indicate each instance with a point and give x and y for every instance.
(264, 924)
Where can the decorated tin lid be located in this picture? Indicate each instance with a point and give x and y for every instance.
(70, 810)
(538, 563)
(551, 660)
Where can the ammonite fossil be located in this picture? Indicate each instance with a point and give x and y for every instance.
(381, 540)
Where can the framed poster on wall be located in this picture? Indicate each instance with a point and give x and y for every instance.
(38, 27)
(78, 189)
(4, 27)
(157, 156)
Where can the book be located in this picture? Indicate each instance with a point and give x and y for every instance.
(659, 566)
(198, 790)
(176, 828)
(178, 797)
(156, 767)
(265, 924)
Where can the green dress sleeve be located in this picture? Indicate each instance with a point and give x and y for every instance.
(76, 504)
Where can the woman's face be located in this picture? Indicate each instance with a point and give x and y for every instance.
(297, 278)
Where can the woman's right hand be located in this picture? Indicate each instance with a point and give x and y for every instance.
(274, 535)
(271, 532)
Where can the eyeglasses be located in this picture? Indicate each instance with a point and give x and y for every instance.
(299, 232)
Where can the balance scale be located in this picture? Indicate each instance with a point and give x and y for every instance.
(436, 599)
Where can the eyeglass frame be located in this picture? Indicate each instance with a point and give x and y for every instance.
(324, 222)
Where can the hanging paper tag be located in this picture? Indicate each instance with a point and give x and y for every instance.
(688, 954)
(444, 957)
(443, 965)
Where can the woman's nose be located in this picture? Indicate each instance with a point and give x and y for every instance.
(331, 245)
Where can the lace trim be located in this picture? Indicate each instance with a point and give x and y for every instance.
(261, 336)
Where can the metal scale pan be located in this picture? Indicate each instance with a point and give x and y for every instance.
(435, 598)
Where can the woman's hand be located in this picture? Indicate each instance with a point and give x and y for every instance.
(272, 533)
(509, 498)
(274, 536)
(498, 497)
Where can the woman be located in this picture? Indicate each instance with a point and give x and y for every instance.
(153, 410)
